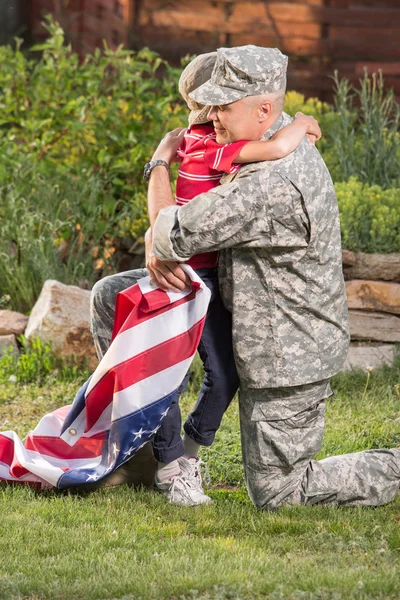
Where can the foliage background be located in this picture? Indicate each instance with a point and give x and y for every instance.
(74, 137)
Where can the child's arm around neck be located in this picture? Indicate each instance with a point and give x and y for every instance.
(282, 143)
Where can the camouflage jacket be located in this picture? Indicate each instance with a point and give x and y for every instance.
(276, 224)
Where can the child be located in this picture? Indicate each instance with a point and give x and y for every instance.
(203, 162)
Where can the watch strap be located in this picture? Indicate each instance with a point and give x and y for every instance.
(150, 166)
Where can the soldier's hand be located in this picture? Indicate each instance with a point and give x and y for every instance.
(311, 138)
(167, 275)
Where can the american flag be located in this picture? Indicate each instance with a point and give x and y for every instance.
(120, 408)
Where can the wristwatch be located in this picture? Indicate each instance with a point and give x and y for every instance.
(148, 167)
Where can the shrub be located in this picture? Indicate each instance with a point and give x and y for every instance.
(73, 141)
(37, 363)
(369, 216)
(366, 137)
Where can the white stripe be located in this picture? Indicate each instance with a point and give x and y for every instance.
(68, 463)
(193, 177)
(195, 136)
(218, 157)
(149, 390)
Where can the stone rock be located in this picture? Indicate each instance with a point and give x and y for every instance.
(7, 341)
(360, 265)
(373, 295)
(369, 357)
(374, 326)
(348, 258)
(61, 316)
(12, 322)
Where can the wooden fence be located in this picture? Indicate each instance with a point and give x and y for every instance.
(318, 35)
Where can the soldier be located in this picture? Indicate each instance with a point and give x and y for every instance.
(276, 225)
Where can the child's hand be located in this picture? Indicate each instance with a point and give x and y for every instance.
(311, 124)
(169, 145)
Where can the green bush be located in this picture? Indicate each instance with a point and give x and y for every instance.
(327, 119)
(73, 141)
(37, 363)
(369, 216)
(366, 138)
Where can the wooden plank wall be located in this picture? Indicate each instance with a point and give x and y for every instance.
(86, 23)
(318, 35)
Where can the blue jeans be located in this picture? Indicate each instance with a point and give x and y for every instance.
(220, 383)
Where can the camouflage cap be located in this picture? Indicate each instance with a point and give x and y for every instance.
(197, 72)
(243, 71)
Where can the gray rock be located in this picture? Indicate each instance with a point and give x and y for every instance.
(374, 326)
(369, 357)
(385, 267)
(61, 316)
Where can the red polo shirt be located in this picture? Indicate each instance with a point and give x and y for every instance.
(203, 164)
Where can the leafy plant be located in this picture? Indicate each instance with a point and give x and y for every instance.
(73, 140)
(37, 363)
(369, 216)
(366, 134)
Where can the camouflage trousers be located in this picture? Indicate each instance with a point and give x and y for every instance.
(282, 430)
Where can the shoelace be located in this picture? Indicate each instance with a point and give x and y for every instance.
(195, 468)
(182, 481)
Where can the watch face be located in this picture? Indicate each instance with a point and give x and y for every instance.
(147, 170)
(148, 167)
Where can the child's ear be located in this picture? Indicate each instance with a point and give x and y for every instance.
(264, 111)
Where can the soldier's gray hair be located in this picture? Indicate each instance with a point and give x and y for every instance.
(277, 100)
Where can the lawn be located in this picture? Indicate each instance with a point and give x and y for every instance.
(122, 543)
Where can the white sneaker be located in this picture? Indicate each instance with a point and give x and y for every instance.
(182, 490)
(191, 469)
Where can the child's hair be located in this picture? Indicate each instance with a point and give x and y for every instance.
(193, 76)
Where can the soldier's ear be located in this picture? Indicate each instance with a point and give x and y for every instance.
(264, 111)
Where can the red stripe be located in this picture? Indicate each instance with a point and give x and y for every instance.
(6, 450)
(7, 456)
(132, 310)
(132, 298)
(56, 447)
(140, 367)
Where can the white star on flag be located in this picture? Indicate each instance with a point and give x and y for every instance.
(129, 451)
(138, 434)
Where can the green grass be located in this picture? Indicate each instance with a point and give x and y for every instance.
(121, 543)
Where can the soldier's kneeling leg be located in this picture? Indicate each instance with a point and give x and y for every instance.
(281, 430)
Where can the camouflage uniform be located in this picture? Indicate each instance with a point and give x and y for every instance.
(277, 227)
